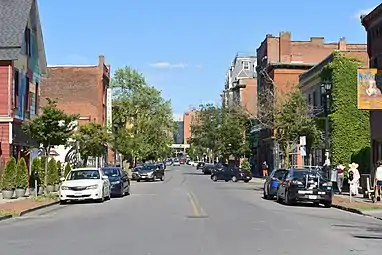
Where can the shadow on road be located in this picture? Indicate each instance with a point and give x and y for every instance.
(194, 174)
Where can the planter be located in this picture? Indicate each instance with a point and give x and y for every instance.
(56, 187)
(32, 191)
(20, 192)
(40, 191)
(50, 188)
(7, 194)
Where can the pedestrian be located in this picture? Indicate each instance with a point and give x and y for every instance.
(265, 169)
(378, 181)
(340, 177)
(354, 183)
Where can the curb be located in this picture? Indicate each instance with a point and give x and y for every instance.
(355, 211)
(5, 217)
(38, 208)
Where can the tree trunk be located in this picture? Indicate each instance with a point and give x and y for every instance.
(47, 153)
(287, 155)
(85, 163)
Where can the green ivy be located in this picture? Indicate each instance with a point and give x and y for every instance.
(349, 127)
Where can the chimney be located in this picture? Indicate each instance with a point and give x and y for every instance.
(317, 40)
(285, 47)
(101, 60)
(342, 44)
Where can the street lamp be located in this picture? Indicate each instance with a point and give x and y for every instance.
(326, 87)
(115, 125)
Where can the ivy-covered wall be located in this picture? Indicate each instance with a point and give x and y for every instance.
(349, 127)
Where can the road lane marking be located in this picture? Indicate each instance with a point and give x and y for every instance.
(195, 208)
(194, 200)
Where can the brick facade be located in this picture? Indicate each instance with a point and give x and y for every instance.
(373, 25)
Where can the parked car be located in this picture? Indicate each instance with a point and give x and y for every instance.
(84, 184)
(193, 163)
(207, 168)
(221, 172)
(119, 181)
(272, 183)
(305, 185)
(200, 165)
(135, 173)
(182, 161)
(176, 162)
(239, 174)
(150, 172)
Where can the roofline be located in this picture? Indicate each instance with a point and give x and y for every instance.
(72, 66)
(369, 18)
(281, 65)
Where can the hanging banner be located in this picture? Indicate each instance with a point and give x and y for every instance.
(369, 87)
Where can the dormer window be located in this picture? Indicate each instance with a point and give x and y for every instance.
(27, 38)
(246, 65)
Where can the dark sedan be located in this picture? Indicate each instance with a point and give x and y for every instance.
(119, 181)
(207, 168)
(239, 174)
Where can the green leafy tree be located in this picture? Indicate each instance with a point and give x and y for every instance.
(21, 174)
(91, 139)
(52, 172)
(144, 118)
(67, 169)
(52, 128)
(292, 121)
(245, 165)
(349, 127)
(8, 179)
(59, 168)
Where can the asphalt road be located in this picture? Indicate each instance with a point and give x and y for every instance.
(188, 214)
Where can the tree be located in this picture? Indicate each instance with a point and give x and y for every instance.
(52, 128)
(8, 179)
(144, 118)
(292, 121)
(91, 139)
(52, 173)
(67, 169)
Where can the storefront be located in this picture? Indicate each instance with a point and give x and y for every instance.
(21, 143)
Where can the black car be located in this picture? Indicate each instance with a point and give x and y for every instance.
(135, 173)
(221, 172)
(239, 174)
(200, 165)
(150, 172)
(119, 181)
(305, 185)
(207, 168)
(272, 183)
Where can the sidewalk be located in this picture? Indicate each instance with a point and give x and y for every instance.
(358, 205)
(18, 207)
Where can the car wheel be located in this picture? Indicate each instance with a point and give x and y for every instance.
(214, 178)
(316, 204)
(138, 180)
(63, 202)
(226, 180)
(102, 199)
(265, 195)
(246, 181)
(128, 191)
(234, 178)
(278, 198)
(328, 204)
(162, 178)
(122, 192)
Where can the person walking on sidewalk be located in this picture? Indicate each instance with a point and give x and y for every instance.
(378, 181)
(265, 169)
(340, 177)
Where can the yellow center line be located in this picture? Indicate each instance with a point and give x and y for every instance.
(195, 208)
(196, 202)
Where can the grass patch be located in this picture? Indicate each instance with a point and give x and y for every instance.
(8, 212)
(44, 198)
(368, 207)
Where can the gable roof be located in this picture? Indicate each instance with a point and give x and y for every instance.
(14, 16)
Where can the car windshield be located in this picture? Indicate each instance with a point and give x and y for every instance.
(148, 168)
(313, 173)
(111, 172)
(84, 175)
(279, 174)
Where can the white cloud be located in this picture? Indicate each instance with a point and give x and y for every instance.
(167, 65)
(199, 66)
(362, 12)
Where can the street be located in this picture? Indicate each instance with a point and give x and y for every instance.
(189, 214)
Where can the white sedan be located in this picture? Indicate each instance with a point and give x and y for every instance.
(84, 184)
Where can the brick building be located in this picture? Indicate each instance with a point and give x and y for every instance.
(280, 61)
(79, 89)
(310, 86)
(241, 84)
(22, 63)
(373, 25)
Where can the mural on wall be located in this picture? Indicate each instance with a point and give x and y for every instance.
(28, 69)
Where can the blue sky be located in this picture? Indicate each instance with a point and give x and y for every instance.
(185, 47)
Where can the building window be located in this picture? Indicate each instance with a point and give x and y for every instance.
(16, 83)
(314, 99)
(37, 99)
(309, 99)
(28, 49)
(27, 102)
(246, 65)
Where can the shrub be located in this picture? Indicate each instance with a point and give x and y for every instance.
(52, 172)
(21, 180)
(8, 178)
(36, 167)
(41, 173)
(67, 169)
(59, 168)
(245, 165)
